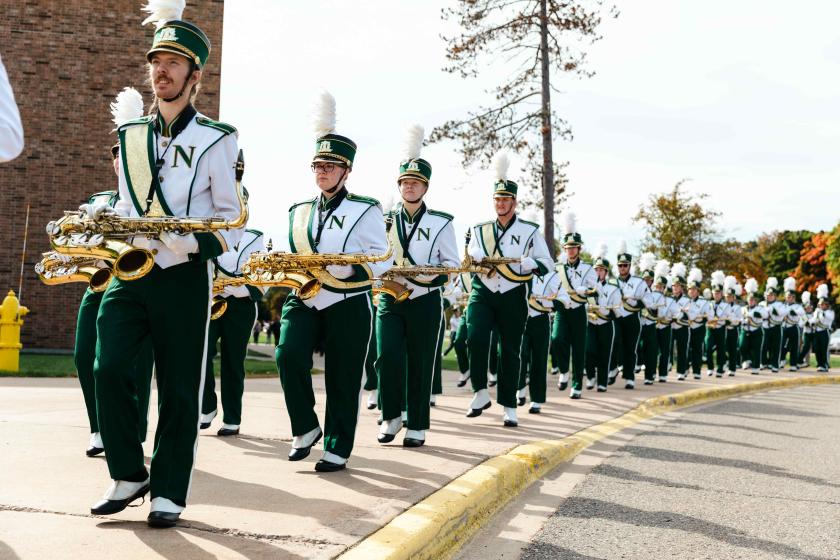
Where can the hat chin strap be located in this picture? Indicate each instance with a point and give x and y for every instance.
(186, 81)
(335, 187)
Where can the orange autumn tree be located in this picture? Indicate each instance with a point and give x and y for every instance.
(812, 269)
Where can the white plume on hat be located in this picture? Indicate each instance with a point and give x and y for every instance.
(601, 252)
(822, 291)
(751, 286)
(772, 283)
(707, 293)
(324, 114)
(127, 106)
(729, 283)
(718, 278)
(661, 268)
(161, 11)
(695, 275)
(647, 261)
(569, 222)
(790, 284)
(414, 141)
(738, 290)
(501, 163)
(806, 297)
(622, 247)
(678, 270)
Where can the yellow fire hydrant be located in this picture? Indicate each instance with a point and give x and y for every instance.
(11, 318)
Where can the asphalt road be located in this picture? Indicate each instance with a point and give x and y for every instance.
(753, 478)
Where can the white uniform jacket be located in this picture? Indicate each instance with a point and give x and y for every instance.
(633, 292)
(229, 265)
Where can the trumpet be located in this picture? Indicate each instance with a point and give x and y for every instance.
(54, 269)
(108, 237)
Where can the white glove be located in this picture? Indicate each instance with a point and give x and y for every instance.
(96, 211)
(340, 271)
(581, 291)
(527, 264)
(180, 244)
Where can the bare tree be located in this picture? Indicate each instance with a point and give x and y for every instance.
(540, 40)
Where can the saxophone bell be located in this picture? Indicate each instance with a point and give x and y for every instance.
(217, 307)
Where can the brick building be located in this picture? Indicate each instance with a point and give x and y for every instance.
(66, 62)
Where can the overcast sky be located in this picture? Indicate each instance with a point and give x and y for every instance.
(740, 97)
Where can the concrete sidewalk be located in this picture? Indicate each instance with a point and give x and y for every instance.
(247, 500)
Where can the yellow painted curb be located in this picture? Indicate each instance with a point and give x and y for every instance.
(437, 526)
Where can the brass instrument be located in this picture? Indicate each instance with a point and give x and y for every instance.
(306, 287)
(309, 270)
(108, 237)
(486, 265)
(54, 269)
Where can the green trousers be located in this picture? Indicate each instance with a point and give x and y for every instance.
(569, 334)
(732, 357)
(231, 331)
(460, 344)
(790, 345)
(716, 344)
(371, 380)
(408, 335)
(599, 349)
(437, 379)
(807, 347)
(773, 346)
(663, 341)
(650, 350)
(508, 312)
(495, 351)
(695, 349)
(533, 358)
(680, 337)
(85, 353)
(172, 307)
(345, 329)
(752, 344)
(631, 329)
(821, 339)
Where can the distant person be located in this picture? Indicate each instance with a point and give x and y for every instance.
(11, 130)
(258, 327)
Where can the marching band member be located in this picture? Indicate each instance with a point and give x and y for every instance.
(698, 313)
(716, 326)
(822, 321)
(501, 299)
(752, 331)
(733, 292)
(634, 290)
(600, 325)
(668, 311)
(127, 106)
(535, 340)
(807, 330)
(179, 163)
(653, 302)
(577, 278)
(233, 330)
(462, 285)
(408, 332)
(11, 130)
(791, 333)
(776, 312)
(680, 326)
(335, 221)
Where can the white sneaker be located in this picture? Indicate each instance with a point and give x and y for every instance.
(372, 399)
(510, 418)
(306, 440)
(165, 505)
(590, 383)
(480, 399)
(122, 489)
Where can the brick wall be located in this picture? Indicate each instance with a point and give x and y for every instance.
(67, 61)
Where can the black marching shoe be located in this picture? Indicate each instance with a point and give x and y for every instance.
(326, 466)
(93, 451)
(109, 507)
(162, 519)
(228, 432)
(520, 401)
(477, 411)
(411, 442)
(298, 453)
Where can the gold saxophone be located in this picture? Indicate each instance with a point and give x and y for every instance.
(299, 282)
(308, 270)
(54, 269)
(108, 237)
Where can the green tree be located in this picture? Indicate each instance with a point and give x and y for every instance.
(779, 252)
(678, 227)
(832, 260)
(536, 41)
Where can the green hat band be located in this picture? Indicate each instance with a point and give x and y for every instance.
(505, 189)
(572, 240)
(333, 147)
(625, 258)
(182, 38)
(694, 284)
(662, 280)
(648, 274)
(678, 280)
(601, 262)
(415, 168)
